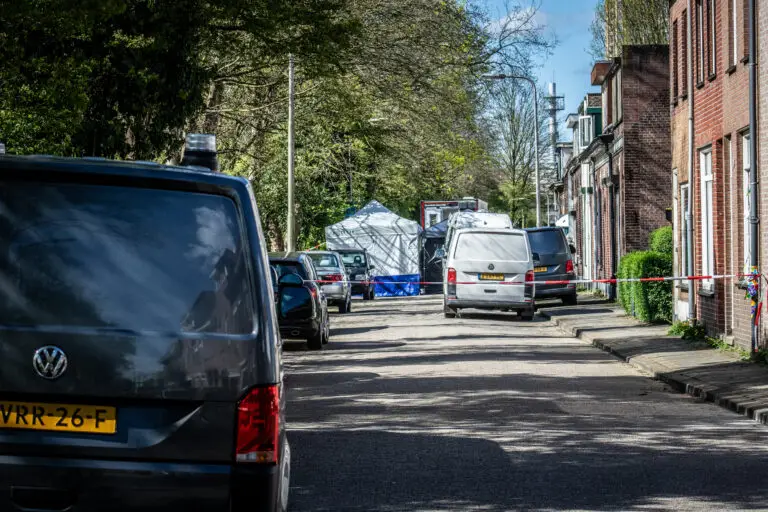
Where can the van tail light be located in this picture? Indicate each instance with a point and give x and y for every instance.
(334, 278)
(451, 288)
(530, 279)
(569, 267)
(258, 426)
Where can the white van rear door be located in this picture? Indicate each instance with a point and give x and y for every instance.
(491, 266)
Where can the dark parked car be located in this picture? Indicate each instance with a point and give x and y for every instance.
(303, 308)
(552, 261)
(359, 269)
(141, 368)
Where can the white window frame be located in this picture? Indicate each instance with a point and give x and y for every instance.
(685, 210)
(585, 121)
(745, 161)
(712, 6)
(735, 34)
(700, 40)
(707, 218)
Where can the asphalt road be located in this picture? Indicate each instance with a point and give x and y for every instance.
(405, 410)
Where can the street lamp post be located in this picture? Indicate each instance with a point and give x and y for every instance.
(536, 128)
(291, 220)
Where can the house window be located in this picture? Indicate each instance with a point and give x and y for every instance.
(711, 33)
(745, 161)
(684, 49)
(733, 32)
(685, 212)
(585, 131)
(699, 42)
(707, 219)
(675, 90)
(745, 30)
(618, 108)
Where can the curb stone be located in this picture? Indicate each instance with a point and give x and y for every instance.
(752, 403)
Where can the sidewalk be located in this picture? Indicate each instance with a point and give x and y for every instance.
(701, 371)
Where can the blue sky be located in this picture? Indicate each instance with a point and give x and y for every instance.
(570, 63)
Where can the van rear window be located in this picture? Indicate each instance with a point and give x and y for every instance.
(491, 247)
(118, 257)
(549, 241)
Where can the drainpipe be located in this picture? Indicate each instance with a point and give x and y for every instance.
(691, 156)
(754, 219)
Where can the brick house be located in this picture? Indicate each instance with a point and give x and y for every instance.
(625, 187)
(710, 190)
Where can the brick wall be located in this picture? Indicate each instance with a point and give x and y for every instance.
(646, 180)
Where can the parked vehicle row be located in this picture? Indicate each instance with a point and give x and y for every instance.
(306, 283)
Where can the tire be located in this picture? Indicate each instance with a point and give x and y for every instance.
(449, 312)
(346, 307)
(570, 300)
(315, 341)
(526, 315)
(327, 332)
(372, 293)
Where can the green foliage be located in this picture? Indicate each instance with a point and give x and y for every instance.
(661, 240)
(648, 301)
(688, 331)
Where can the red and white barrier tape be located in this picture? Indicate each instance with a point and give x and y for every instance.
(553, 282)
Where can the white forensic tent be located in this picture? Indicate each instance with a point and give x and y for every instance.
(392, 243)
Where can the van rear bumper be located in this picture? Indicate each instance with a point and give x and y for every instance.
(487, 304)
(29, 483)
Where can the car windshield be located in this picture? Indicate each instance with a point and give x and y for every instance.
(550, 241)
(325, 260)
(288, 267)
(491, 247)
(118, 257)
(353, 259)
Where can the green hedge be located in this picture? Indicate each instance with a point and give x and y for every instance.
(649, 301)
(661, 240)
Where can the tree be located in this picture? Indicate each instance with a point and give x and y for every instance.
(628, 22)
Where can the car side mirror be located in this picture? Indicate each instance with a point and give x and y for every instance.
(440, 252)
(573, 249)
(372, 267)
(292, 280)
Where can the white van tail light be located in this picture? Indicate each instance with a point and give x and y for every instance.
(530, 276)
(451, 288)
(258, 426)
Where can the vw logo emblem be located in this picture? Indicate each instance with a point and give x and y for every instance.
(491, 267)
(49, 362)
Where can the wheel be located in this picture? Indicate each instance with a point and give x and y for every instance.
(449, 312)
(570, 300)
(367, 294)
(372, 293)
(346, 307)
(327, 331)
(315, 341)
(526, 315)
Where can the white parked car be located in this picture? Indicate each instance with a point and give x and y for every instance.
(487, 268)
(335, 281)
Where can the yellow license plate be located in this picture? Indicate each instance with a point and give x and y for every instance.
(492, 277)
(58, 417)
(540, 269)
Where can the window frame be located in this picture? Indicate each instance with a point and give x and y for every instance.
(707, 217)
(675, 62)
(745, 194)
(685, 211)
(582, 143)
(712, 35)
(700, 60)
(733, 54)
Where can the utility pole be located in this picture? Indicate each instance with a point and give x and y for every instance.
(291, 246)
(536, 134)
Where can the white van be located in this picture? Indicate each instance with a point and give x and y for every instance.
(489, 268)
(479, 219)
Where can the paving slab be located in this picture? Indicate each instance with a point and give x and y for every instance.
(704, 372)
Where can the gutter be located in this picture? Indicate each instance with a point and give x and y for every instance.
(754, 218)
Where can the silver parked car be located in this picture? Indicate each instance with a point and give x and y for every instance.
(488, 268)
(335, 281)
